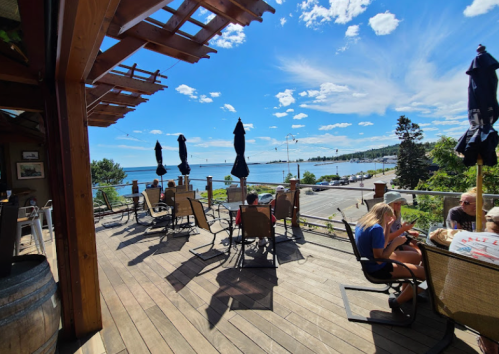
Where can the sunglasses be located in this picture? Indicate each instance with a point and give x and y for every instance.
(465, 202)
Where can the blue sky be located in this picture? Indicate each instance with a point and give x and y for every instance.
(334, 75)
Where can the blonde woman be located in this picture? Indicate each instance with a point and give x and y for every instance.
(372, 239)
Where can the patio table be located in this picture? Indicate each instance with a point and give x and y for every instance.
(233, 208)
(135, 206)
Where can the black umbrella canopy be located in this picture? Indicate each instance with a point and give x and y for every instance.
(182, 152)
(483, 111)
(160, 171)
(240, 168)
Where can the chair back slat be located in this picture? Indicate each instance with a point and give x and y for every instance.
(256, 221)
(154, 194)
(351, 235)
(170, 196)
(199, 214)
(147, 202)
(463, 289)
(284, 204)
(183, 188)
(182, 205)
(371, 202)
(234, 195)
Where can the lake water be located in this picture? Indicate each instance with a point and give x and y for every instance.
(274, 173)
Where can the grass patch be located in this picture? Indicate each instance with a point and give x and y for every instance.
(221, 193)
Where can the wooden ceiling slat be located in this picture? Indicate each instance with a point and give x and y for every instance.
(132, 85)
(19, 96)
(172, 53)
(122, 99)
(254, 8)
(113, 56)
(132, 12)
(94, 94)
(104, 117)
(230, 11)
(189, 19)
(214, 26)
(184, 12)
(112, 110)
(11, 70)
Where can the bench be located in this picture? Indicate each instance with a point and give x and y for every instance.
(463, 290)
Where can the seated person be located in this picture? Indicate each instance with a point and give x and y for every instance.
(252, 199)
(277, 190)
(171, 184)
(484, 248)
(464, 215)
(371, 237)
(154, 184)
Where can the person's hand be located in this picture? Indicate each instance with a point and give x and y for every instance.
(406, 226)
(389, 222)
(413, 233)
(400, 240)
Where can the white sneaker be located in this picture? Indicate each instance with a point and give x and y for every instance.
(262, 242)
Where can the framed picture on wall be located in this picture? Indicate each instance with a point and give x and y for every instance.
(30, 170)
(30, 155)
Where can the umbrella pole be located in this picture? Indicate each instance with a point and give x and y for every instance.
(479, 198)
(186, 181)
(243, 189)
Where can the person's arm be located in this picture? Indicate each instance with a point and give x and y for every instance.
(238, 217)
(454, 216)
(404, 228)
(388, 250)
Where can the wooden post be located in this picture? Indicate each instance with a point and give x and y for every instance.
(242, 182)
(379, 189)
(209, 188)
(479, 198)
(180, 180)
(186, 181)
(296, 212)
(135, 189)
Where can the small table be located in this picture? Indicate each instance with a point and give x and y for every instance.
(135, 206)
(233, 207)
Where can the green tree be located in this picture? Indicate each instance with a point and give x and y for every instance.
(412, 164)
(288, 178)
(106, 171)
(308, 178)
(228, 180)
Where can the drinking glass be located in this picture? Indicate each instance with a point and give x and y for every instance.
(9, 193)
(451, 224)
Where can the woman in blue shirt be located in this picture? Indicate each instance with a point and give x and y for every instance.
(371, 237)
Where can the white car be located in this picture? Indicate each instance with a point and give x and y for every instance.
(265, 198)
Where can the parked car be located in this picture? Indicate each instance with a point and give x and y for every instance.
(323, 183)
(265, 198)
(352, 179)
(367, 176)
(359, 177)
(344, 181)
(335, 183)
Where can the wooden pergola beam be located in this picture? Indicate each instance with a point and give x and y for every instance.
(132, 12)
(99, 124)
(112, 110)
(217, 24)
(105, 117)
(183, 13)
(95, 93)
(122, 99)
(19, 96)
(230, 11)
(132, 85)
(11, 70)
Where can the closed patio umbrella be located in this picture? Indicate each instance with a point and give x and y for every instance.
(479, 143)
(184, 167)
(240, 168)
(160, 170)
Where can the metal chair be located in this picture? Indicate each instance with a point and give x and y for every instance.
(284, 208)
(412, 281)
(182, 207)
(156, 210)
(108, 208)
(202, 222)
(29, 216)
(47, 213)
(257, 222)
(154, 195)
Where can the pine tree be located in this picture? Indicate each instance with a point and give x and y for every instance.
(412, 164)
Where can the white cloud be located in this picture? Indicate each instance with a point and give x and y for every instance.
(232, 36)
(282, 21)
(297, 126)
(286, 97)
(138, 131)
(204, 99)
(248, 126)
(480, 7)
(156, 131)
(358, 94)
(195, 139)
(304, 93)
(186, 90)
(332, 126)
(424, 124)
(342, 11)
(365, 124)
(273, 127)
(126, 147)
(127, 138)
(361, 133)
(215, 94)
(251, 141)
(450, 122)
(216, 143)
(228, 107)
(300, 116)
(177, 134)
(430, 129)
(209, 18)
(280, 2)
(290, 110)
(383, 24)
(280, 115)
(352, 31)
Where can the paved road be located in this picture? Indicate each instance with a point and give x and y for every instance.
(325, 203)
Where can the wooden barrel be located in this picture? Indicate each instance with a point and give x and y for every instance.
(30, 309)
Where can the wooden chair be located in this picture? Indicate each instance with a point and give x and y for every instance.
(234, 195)
(284, 208)
(412, 281)
(202, 222)
(463, 290)
(108, 208)
(154, 195)
(371, 202)
(183, 188)
(169, 196)
(182, 207)
(257, 222)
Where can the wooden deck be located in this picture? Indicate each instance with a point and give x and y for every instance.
(158, 297)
